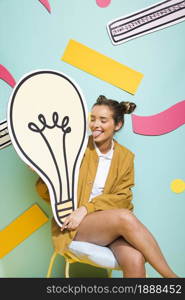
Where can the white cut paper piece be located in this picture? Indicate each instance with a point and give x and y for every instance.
(4, 135)
(47, 123)
(147, 20)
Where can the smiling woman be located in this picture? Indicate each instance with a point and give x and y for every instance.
(105, 198)
(107, 117)
(31, 38)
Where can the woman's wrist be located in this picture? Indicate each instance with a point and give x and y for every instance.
(84, 210)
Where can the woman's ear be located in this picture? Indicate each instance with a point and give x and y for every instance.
(118, 126)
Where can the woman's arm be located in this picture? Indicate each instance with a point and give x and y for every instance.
(42, 190)
(120, 197)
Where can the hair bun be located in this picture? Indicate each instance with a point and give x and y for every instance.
(127, 107)
(101, 99)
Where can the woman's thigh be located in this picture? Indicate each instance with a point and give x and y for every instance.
(100, 227)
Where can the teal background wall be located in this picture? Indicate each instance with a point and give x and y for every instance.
(31, 38)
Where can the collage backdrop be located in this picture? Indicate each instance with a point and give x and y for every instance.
(146, 52)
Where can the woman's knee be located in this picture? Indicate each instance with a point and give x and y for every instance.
(127, 219)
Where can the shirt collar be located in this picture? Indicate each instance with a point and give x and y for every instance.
(107, 155)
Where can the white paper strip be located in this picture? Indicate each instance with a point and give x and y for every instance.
(150, 19)
(4, 135)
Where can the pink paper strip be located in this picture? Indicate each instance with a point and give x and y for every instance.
(46, 4)
(6, 76)
(164, 122)
(103, 3)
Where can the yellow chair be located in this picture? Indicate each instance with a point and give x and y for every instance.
(87, 253)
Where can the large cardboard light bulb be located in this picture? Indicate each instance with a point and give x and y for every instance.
(47, 123)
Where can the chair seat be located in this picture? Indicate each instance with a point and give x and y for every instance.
(93, 254)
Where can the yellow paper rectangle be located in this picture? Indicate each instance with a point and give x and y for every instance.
(21, 228)
(102, 66)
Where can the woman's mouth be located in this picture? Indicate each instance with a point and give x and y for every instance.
(96, 133)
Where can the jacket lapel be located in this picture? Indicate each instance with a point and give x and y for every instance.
(112, 171)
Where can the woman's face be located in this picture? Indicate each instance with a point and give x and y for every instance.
(102, 124)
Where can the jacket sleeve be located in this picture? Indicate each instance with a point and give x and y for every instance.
(42, 190)
(120, 197)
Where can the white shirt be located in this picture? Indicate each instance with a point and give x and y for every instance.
(102, 171)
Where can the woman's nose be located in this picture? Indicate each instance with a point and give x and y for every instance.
(96, 123)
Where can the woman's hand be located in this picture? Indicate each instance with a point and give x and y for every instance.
(74, 219)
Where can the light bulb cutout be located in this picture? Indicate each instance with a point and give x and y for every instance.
(47, 123)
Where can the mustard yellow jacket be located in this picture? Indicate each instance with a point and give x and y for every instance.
(117, 191)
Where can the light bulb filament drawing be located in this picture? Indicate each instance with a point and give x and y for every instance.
(65, 129)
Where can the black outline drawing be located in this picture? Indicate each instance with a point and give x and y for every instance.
(141, 21)
(35, 128)
(4, 135)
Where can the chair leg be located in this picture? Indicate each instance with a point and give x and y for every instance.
(66, 271)
(51, 264)
(109, 273)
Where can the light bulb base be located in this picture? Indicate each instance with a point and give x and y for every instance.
(63, 209)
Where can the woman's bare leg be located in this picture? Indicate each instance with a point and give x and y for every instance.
(103, 227)
(131, 261)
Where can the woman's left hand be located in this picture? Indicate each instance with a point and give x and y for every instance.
(74, 219)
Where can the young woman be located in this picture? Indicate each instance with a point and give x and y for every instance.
(105, 211)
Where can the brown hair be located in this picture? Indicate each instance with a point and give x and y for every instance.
(119, 109)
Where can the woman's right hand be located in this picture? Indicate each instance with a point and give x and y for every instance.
(74, 219)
